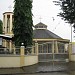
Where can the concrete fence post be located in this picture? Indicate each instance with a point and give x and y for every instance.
(22, 51)
(32, 50)
(36, 48)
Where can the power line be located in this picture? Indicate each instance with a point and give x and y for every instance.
(56, 25)
(51, 18)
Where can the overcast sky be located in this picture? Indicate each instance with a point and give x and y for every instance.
(47, 11)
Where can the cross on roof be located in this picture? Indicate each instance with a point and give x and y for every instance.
(40, 18)
(10, 8)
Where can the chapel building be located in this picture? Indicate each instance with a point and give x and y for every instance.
(48, 42)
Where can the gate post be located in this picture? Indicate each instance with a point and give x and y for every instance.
(22, 62)
(32, 49)
(36, 48)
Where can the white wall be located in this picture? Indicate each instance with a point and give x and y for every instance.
(14, 60)
(72, 57)
(30, 60)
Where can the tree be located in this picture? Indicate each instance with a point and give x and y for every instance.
(22, 25)
(68, 10)
(1, 27)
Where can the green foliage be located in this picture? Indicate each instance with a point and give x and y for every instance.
(68, 10)
(22, 25)
(1, 27)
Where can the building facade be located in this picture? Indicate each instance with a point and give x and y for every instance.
(7, 30)
(48, 42)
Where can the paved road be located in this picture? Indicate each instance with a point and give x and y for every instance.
(42, 69)
(53, 73)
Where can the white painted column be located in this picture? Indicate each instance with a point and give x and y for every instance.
(53, 51)
(42, 49)
(53, 47)
(5, 44)
(11, 23)
(10, 46)
(5, 23)
(56, 47)
(47, 48)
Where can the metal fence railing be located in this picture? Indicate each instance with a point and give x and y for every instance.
(17, 50)
(48, 47)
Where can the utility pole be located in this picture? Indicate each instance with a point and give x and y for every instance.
(71, 33)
